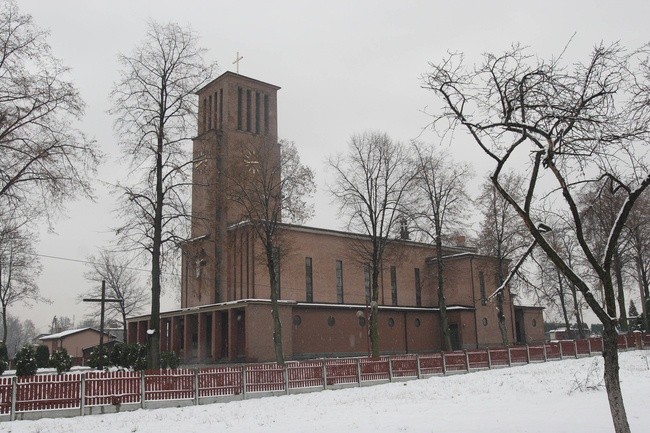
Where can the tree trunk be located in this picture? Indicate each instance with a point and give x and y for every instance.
(612, 382)
(442, 302)
(272, 265)
(576, 308)
(620, 294)
(565, 313)
(501, 317)
(374, 311)
(153, 337)
(4, 323)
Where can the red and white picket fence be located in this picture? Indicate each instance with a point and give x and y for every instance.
(99, 392)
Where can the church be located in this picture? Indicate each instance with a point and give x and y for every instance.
(225, 313)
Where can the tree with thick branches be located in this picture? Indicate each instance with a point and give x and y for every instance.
(441, 203)
(372, 185)
(44, 160)
(570, 126)
(155, 107)
(270, 190)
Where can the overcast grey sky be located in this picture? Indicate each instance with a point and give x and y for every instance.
(344, 66)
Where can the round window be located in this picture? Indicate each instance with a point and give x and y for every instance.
(362, 321)
(534, 323)
(297, 320)
(417, 323)
(391, 322)
(331, 320)
(485, 322)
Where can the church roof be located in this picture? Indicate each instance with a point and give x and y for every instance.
(237, 77)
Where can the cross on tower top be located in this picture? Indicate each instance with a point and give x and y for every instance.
(237, 59)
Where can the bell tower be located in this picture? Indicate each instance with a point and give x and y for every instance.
(237, 119)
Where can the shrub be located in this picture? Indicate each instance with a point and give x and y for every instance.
(136, 357)
(116, 356)
(26, 361)
(169, 360)
(42, 356)
(61, 360)
(98, 358)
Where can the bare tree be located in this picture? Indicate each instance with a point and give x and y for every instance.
(600, 205)
(440, 208)
(562, 121)
(44, 159)
(19, 334)
(19, 269)
(638, 228)
(501, 235)
(155, 109)
(372, 181)
(554, 289)
(270, 186)
(121, 283)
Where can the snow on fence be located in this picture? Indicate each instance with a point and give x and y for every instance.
(79, 393)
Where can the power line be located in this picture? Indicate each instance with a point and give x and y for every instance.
(88, 262)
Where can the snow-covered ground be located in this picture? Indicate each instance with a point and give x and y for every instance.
(551, 397)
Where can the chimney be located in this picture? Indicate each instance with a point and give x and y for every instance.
(460, 240)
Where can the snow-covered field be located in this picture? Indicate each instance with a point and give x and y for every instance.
(552, 397)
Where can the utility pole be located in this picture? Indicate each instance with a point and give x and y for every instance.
(103, 302)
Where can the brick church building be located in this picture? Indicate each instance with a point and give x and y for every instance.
(225, 312)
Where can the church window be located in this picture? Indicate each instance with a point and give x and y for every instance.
(215, 120)
(393, 285)
(266, 114)
(485, 321)
(205, 114)
(417, 323)
(339, 281)
(297, 320)
(220, 108)
(366, 282)
(391, 322)
(210, 112)
(249, 110)
(418, 288)
(257, 112)
(240, 106)
(309, 282)
(331, 320)
(362, 321)
(481, 283)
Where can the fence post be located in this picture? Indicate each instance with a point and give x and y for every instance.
(444, 364)
(142, 390)
(286, 379)
(489, 358)
(359, 371)
(561, 351)
(82, 394)
(196, 386)
(417, 366)
(466, 360)
(390, 369)
(625, 338)
(509, 358)
(324, 367)
(575, 348)
(589, 344)
(14, 394)
(545, 356)
(243, 381)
